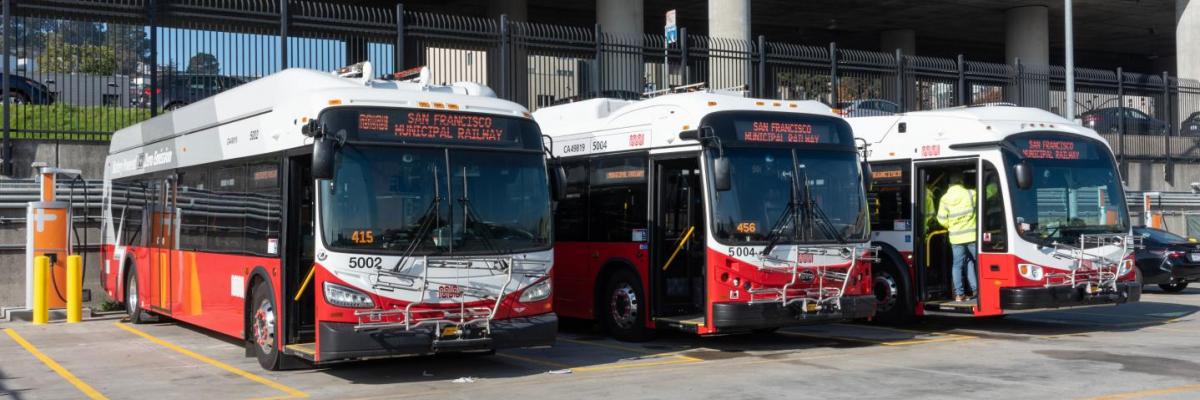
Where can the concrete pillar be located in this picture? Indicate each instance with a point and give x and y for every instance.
(622, 23)
(516, 10)
(903, 39)
(517, 81)
(1028, 39)
(729, 31)
(1187, 38)
(1028, 35)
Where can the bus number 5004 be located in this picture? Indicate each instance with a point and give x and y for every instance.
(366, 262)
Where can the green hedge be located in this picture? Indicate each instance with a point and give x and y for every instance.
(65, 122)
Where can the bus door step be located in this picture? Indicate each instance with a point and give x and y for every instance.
(950, 306)
(307, 351)
(687, 323)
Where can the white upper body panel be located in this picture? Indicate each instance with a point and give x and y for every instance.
(610, 125)
(929, 134)
(266, 116)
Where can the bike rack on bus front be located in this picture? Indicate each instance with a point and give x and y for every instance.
(817, 299)
(414, 315)
(1093, 272)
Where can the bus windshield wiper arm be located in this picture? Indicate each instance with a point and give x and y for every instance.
(814, 212)
(791, 212)
(430, 221)
(470, 216)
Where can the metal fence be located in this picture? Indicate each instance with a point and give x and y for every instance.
(84, 68)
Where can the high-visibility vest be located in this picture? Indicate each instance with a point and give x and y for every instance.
(956, 212)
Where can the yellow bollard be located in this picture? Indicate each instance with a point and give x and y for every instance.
(74, 289)
(41, 271)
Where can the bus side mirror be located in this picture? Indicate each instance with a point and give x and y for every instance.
(721, 178)
(558, 182)
(867, 177)
(322, 158)
(1024, 175)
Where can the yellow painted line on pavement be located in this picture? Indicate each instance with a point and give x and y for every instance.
(547, 363)
(232, 369)
(607, 345)
(1151, 392)
(87, 390)
(941, 337)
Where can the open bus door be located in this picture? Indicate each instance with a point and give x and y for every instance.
(932, 256)
(677, 246)
(298, 257)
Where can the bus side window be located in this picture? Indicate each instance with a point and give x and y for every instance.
(227, 224)
(995, 233)
(570, 215)
(194, 204)
(617, 198)
(263, 215)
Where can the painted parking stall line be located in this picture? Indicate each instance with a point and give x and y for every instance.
(291, 392)
(87, 389)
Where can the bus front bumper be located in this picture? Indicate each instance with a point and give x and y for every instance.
(1066, 296)
(747, 316)
(339, 341)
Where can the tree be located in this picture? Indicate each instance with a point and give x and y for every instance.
(204, 63)
(61, 56)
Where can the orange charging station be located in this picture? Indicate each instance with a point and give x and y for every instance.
(48, 227)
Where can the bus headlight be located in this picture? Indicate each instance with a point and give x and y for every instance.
(1125, 268)
(536, 292)
(1030, 272)
(342, 296)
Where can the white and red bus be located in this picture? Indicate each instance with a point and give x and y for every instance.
(1053, 230)
(707, 212)
(328, 217)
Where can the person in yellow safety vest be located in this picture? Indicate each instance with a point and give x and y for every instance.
(956, 212)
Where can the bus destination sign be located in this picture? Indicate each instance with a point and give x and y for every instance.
(435, 126)
(779, 132)
(1054, 149)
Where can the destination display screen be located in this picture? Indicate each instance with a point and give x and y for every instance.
(779, 128)
(1055, 148)
(432, 127)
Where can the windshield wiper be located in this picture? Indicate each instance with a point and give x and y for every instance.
(469, 215)
(430, 221)
(813, 211)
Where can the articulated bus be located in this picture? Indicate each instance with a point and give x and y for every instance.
(329, 217)
(1052, 228)
(707, 212)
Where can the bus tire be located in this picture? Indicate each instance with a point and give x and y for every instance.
(892, 293)
(136, 314)
(623, 307)
(264, 329)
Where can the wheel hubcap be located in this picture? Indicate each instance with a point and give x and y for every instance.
(624, 306)
(886, 291)
(264, 326)
(131, 296)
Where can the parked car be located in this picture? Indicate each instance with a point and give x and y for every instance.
(1108, 120)
(24, 90)
(866, 108)
(1191, 125)
(1166, 259)
(176, 91)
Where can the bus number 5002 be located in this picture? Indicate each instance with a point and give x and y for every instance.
(366, 262)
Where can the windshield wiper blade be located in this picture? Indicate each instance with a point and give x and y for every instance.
(430, 221)
(815, 212)
(469, 215)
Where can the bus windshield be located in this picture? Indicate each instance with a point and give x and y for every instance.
(762, 188)
(1075, 189)
(436, 200)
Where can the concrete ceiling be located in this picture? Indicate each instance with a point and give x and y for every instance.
(1108, 32)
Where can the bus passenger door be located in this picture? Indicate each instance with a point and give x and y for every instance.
(298, 250)
(162, 241)
(678, 243)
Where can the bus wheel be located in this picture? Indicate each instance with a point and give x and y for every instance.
(132, 307)
(264, 328)
(891, 297)
(624, 307)
(1173, 286)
